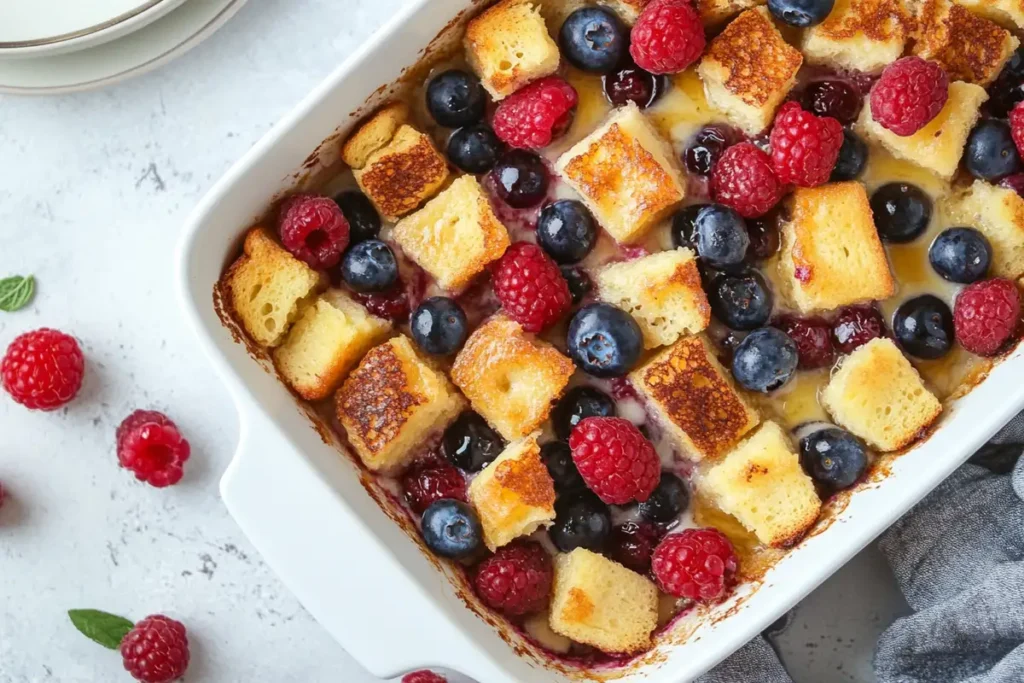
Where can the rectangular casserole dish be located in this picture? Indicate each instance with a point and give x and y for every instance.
(329, 533)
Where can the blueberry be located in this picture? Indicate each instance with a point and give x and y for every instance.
(706, 149)
(451, 529)
(990, 153)
(839, 99)
(924, 327)
(1008, 88)
(853, 157)
(833, 457)
(578, 404)
(593, 39)
(438, 325)
(566, 230)
(800, 13)
(722, 237)
(684, 227)
(369, 266)
(474, 149)
(455, 98)
(558, 459)
(765, 360)
(604, 341)
(764, 236)
(363, 220)
(630, 83)
(961, 255)
(901, 212)
(470, 444)
(579, 282)
(742, 302)
(520, 178)
(581, 521)
(667, 501)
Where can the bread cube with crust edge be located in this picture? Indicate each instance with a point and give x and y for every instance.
(969, 47)
(508, 46)
(374, 133)
(860, 35)
(998, 213)
(402, 174)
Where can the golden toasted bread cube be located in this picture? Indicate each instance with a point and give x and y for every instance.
(762, 484)
(939, 145)
(1007, 13)
(662, 292)
(862, 35)
(514, 495)
(831, 254)
(326, 342)
(716, 12)
(628, 10)
(403, 174)
(998, 213)
(374, 133)
(510, 377)
(625, 173)
(748, 69)
(392, 403)
(970, 48)
(694, 399)
(508, 46)
(267, 286)
(455, 236)
(878, 395)
(599, 602)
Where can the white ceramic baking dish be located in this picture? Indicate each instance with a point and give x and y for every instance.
(309, 511)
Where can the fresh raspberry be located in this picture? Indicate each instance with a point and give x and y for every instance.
(614, 459)
(632, 545)
(1014, 182)
(423, 677)
(855, 326)
(156, 650)
(530, 287)
(667, 37)
(744, 179)
(910, 93)
(986, 314)
(42, 370)
(516, 580)
(699, 564)
(426, 484)
(533, 116)
(1017, 126)
(392, 304)
(149, 445)
(314, 230)
(804, 147)
(813, 337)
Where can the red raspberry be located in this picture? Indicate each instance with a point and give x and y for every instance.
(632, 545)
(392, 304)
(615, 460)
(910, 93)
(1017, 126)
(699, 564)
(813, 337)
(667, 37)
(1014, 182)
(855, 326)
(314, 229)
(530, 287)
(426, 484)
(423, 677)
(516, 580)
(43, 370)
(744, 179)
(156, 650)
(986, 314)
(536, 114)
(804, 147)
(149, 445)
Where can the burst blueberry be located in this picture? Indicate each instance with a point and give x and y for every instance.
(765, 360)
(438, 326)
(961, 255)
(455, 98)
(566, 230)
(833, 457)
(604, 341)
(706, 149)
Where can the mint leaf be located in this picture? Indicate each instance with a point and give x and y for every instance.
(16, 292)
(106, 629)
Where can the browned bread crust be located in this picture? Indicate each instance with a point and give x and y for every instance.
(968, 47)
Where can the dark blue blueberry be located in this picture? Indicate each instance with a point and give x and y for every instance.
(924, 327)
(990, 153)
(800, 13)
(593, 39)
(764, 236)
(722, 237)
(834, 97)
(470, 444)
(742, 302)
(455, 98)
(579, 282)
(474, 149)
(557, 458)
(901, 212)
(833, 457)
(520, 179)
(853, 156)
(451, 529)
(363, 220)
(604, 341)
(765, 360)
(566, 230)
(706, 149)
(961, 255)
(578, 404)
(1008, 88)
(581, 521)
(438, 325)
(369, 266)
(630, 83)
(669, 499)
(684, 228)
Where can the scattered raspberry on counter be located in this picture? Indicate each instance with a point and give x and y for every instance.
(986, 315)
(910, 93)
(531, 287)
(155, 650)
(43, 370)
(698, 564)
(667, 37)
(532, 117)
(424, 677)
(615, 460)
(516, 580)
(804, 147)
(314, 230)
(150, 445)
(745, 180)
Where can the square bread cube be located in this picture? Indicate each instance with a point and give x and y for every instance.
(694, 399)
(970, 48)
(392, 403)
(514, 495)
(662, 292)
(403, 173)
(267, 286)
(998, 213)
(510, 377)
(455, 236)
(717, 12)
(939, 145)
(326, 342)
(878, 395)
(599, 602)
(374, 133)
(508, 46)
(831, 254)
(1007, 13)
(762, 484)
(625, 173)
(628, 10)
(748, 69)
(861, 35)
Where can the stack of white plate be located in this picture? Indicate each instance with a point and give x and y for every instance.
(54, 46)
